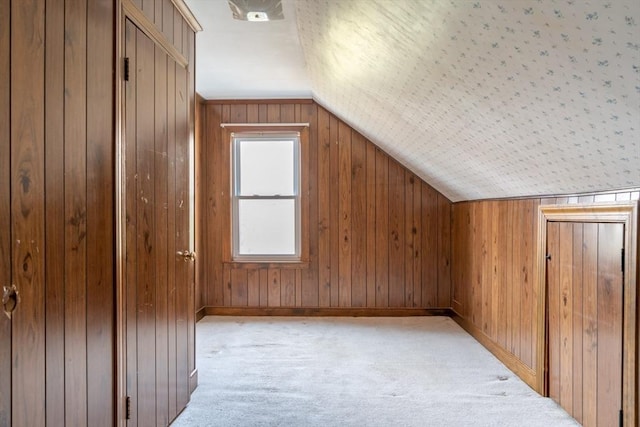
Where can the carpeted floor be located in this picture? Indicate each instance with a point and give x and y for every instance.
(339, 371)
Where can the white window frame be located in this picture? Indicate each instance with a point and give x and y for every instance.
(236, 139)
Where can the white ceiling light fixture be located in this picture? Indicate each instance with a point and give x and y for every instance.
(256, 10)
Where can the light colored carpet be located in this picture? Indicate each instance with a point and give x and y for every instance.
(339, 371)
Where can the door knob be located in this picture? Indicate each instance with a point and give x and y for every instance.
(187, 255)
(10, 299)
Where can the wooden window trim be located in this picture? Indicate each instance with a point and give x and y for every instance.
(227, 238)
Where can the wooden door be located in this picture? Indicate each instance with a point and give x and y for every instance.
(158, 271)
(585, 300)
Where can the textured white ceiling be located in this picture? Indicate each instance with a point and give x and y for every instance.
(248, 60)
(482, 99)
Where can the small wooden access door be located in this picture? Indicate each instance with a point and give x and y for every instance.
(585, 319)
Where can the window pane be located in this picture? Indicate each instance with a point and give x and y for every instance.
(266, 227)
(266, 168)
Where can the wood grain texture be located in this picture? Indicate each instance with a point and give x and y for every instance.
(514, 317)
(101, 372)
(54, 167)
(27, 140)
(364, 225)
(160, 283)
(587, 306)
(5, 206)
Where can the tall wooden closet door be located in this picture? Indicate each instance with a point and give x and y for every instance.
(22, 329)
(585, 300)
(157, 232)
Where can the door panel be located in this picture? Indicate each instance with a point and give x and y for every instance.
(585, 300)
(157, 212)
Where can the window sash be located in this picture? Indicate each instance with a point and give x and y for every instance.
(236, 198)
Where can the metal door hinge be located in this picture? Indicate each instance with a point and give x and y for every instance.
(622, 260)
(127, 408)
(621, 418)
(126, 69)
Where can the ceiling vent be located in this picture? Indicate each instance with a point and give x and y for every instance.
(256, 10)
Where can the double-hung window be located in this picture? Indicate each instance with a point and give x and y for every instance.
(266, 196)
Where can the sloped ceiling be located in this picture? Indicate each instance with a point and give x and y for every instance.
(482, 99)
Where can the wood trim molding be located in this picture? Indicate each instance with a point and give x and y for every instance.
(525, 373)
(188, 16)
(615, 212)
(131, 11)
(325, 311)
(259, 101)
(120, 221)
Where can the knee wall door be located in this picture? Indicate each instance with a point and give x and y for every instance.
(585, 309)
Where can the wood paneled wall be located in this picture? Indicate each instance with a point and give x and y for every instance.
(494, 246)
(57, 119)
(378, 236)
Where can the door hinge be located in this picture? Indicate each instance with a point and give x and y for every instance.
(621, 418)
(127, 408)
(622, 260)
(126, 69)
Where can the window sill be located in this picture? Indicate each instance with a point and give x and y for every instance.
(253, 265)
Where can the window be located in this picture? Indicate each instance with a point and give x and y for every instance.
(266, 197)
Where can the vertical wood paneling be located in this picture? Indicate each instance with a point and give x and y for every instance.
(184, 270)
(27, 210)
(54, 168)
(513, 315)
(172, 247)
(358, 221)
(253, 287)
(417, 231)
(429, 233)
(553, 274)
(527, 302)
(214, 206)
(164, 257)
(324, 201)
(344, 212)
(396, 235)
(382, 229)
(239, 288)
(370, 231)
(410, 231)
(288, 287)
(590, 324)
(5, 208)
(146, 227)
(365, 222)
(274, 299)
(577, 320)
(443, 253)
(610, 243)
(334, 213)
(565, 315)
(75, 211)
(310, 277)
(486, 259)
(100, 215)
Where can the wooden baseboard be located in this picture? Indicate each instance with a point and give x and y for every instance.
(523, 371)
(201, 313)
(325, 311)
(193, 381)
